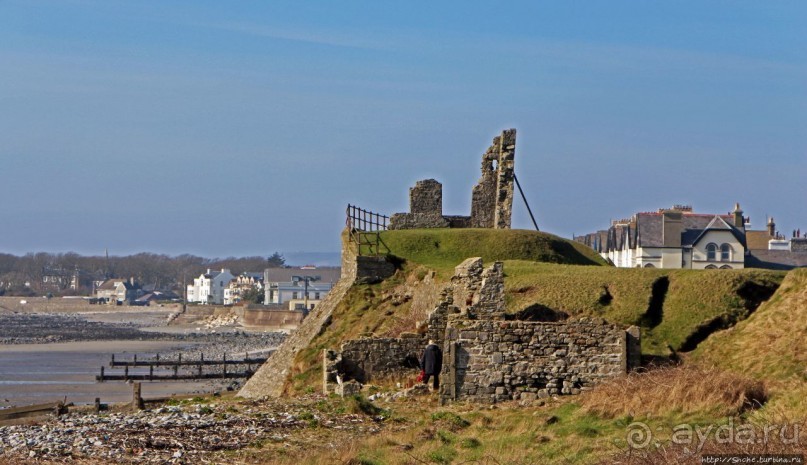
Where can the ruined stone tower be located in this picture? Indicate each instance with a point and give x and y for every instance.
(491, 199)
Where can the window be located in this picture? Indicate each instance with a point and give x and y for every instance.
(294, 295)
(711, 267)
(711, 252)
(649, 265)
(316, 296)
(725, 253)
(725, 267)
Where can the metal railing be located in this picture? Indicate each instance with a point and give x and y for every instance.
(365, 229)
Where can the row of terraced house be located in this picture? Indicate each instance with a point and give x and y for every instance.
(678, 237)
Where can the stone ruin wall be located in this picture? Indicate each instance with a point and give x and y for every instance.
(488, 358)
(368, 359)
(494, 360)
(478, 292)
(425, 207)
(491, 198)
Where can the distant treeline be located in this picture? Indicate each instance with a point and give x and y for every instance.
(71, 273)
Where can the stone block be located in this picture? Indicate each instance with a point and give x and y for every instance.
(348, 388)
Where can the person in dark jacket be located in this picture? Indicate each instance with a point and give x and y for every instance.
(431, 363)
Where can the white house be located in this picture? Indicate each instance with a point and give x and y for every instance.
(209, 287)
(244, 282)
(299, 288)
(674, 238)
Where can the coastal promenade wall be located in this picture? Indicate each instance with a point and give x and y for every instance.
(63, 305)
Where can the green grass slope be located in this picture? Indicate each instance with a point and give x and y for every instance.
(674, 307)
(443, 249)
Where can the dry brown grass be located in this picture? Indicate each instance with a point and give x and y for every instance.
(785, 437)
(681, 455)
(682, 389)
(769, 344)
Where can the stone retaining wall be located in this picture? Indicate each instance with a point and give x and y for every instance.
(274, 319)
(60, 304)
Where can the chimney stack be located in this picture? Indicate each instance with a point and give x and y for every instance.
(672, 227)
(771, 227)
(739, 221)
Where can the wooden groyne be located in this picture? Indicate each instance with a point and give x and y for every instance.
(169, 369)
(179, 362)
(36, 410)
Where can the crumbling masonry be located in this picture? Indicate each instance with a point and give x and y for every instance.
(491, 199)
(488, 357)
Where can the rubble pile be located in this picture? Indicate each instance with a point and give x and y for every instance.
(218, 321)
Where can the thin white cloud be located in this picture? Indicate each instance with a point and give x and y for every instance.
(297, 35)
(639, 57)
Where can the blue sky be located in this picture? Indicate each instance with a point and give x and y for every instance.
(241, 128)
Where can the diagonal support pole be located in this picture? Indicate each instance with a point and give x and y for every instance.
(529, 210)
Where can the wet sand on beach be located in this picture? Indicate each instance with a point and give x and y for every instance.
(39, 373)
(47, 356)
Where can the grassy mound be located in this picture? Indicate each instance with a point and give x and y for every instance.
(679, 308)
(443, 249)
(769, 343)
(675, 308)
(429, 257)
